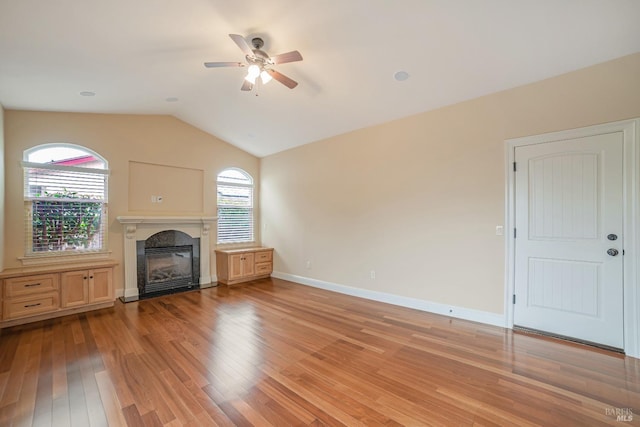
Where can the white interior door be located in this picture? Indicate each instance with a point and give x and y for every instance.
(569, 234)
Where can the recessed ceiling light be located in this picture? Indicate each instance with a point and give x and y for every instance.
(87, 93)
(172, 99)
(401, 76)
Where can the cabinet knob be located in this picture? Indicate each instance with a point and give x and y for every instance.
(90, 277)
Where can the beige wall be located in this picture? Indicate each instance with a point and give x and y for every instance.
(2, 218)
(418, 199)
(160, 142)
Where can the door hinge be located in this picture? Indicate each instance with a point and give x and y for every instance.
(514, 167)
(515, 234)
(514, 298)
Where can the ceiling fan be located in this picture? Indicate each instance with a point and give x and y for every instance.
(259, 63)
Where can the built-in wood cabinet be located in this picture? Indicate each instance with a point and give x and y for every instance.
(39, 293)
(86, 286)
(242, 265)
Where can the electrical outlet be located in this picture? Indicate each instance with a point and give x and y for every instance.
(308, 265)
(373, 274)
(499, 230)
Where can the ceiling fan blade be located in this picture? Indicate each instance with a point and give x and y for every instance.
(242, 44)
(283, 58)
(223, 64)
(246, 86)
(283, 79)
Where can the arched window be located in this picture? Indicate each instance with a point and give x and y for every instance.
(235, 206)
(65, 195)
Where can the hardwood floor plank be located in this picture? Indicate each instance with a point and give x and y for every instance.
(269, 409)
(316, 400)
(297, 404)
(250, 414)
(44, 397)
(187, 407)
(17, 366)
(132, 416)
(109, 397)
(7, 414)
(28, 392)
(365, 393)
(286, 402)
(210, 404)
(10, 341)
(273, 352)
(75, 389)
(234, 415)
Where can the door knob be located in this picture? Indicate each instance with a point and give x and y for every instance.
(612, 252)
(612, 236)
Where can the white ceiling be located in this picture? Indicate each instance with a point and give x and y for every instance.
(134, 54)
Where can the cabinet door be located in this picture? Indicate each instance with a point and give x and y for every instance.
(74, 288)
(248, 264)
(241, 265)
(100, 285)
(236, 269)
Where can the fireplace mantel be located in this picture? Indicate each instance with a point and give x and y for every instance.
(166, 219)
(142, 227)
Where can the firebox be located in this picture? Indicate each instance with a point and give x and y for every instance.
(168, 262)
(168, 268)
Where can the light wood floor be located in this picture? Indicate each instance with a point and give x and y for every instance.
(278, 353)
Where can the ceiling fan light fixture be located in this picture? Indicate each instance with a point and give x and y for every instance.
(266, 77)
(253, 71)
(259, 63)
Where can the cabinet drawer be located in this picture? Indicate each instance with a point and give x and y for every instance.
(264, 268)
(264, 256)
(21, 307)
(30, 285)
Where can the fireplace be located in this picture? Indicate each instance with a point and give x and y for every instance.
(140, 229)
(168, 261)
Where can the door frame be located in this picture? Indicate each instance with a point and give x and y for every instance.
(631, 219)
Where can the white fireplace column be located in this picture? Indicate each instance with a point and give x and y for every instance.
(142, 227)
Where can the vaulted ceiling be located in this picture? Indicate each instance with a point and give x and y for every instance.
(146, 57)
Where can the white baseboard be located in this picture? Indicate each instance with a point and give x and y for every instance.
(418, 304)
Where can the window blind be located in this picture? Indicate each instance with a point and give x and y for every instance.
(235, 213)
(66, 208)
